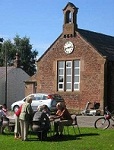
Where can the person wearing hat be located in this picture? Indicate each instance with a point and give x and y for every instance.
(25, 118)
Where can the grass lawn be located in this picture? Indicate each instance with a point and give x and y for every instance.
(90, 139)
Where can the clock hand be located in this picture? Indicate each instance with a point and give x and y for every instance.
(68, 47)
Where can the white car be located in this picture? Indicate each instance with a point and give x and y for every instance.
(39, 99)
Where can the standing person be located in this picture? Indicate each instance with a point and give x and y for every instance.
(2, 115)
(25, 118)
(17, 130)
(63, 118)
(41, 122)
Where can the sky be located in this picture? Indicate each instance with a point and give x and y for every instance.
(42, 20)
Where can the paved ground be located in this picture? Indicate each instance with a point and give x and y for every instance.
(83, 121)
(88, 121)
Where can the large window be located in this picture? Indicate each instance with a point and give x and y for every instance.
(68, 75)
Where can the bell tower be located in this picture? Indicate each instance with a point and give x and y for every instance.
(70, 20)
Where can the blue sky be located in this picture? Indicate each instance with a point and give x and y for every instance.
(42, 20)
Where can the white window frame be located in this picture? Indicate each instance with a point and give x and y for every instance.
(69, 75)
(77, 75)
(68, 70)
(61, 69)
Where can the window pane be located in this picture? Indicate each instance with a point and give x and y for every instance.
(61, 71)
(68, 86)
(76, 63)
(68, 71)
(37, 98)
(60, 79)
(68, 79)
(60, 86)
(68, 63)
(76, 79)
(76, 86)
(44, 97)
(61, 64)
(76, 71)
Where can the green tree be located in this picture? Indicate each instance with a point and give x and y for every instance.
(23, 47)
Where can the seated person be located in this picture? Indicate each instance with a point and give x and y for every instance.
(4, 121)
(41, 122)
(4, 108)
(46, 110)
(62, 118)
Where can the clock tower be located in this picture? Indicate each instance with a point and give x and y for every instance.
(70, 20)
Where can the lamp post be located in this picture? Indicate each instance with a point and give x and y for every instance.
(1, 40)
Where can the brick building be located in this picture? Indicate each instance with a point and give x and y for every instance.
(79, 65)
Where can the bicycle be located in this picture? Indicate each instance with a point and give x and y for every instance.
(104, 121)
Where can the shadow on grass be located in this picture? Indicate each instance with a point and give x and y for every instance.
(8, 133)
(56, 138)
(52, 138)
(64, 137)
(89, 134)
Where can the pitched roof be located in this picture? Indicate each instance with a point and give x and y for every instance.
(104, 44)
(70, 4)
(3, 71)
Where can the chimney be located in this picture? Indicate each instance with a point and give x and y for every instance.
(17, 61)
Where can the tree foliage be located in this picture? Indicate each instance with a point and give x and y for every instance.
(23, 47)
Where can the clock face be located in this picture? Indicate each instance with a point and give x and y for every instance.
(68, 47)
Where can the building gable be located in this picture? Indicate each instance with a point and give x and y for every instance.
(75, 65)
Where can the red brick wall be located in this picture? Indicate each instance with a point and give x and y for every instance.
(92, 72)
(30, 88)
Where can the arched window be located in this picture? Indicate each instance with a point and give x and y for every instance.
(68, 18)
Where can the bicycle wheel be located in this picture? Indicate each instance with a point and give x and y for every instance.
(102, 123)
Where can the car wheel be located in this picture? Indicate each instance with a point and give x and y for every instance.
(15, 108)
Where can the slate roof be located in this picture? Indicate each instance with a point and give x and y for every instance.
(3, 71)
(104, 44)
